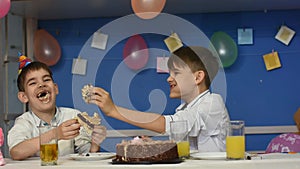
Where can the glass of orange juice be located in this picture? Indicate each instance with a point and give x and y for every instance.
(179, 133)
(235, 140)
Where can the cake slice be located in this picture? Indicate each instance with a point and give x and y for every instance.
(86, 92)
(88, 122)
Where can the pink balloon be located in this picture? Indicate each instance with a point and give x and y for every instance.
(4, 7)
(135, 52)
(147, 9)
(46, 48)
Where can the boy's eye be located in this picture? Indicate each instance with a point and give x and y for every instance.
(47, 79)
(32, 83)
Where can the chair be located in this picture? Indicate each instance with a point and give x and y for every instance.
(287, 142)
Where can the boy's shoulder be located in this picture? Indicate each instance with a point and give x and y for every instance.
(68, 109)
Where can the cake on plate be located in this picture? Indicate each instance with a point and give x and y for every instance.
(144, 149)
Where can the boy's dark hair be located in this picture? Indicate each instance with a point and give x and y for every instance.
(33, 66)
(196, 58)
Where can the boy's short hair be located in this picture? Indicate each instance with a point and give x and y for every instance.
(196, 58)
(33, 66)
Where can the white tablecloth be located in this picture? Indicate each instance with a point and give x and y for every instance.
(65, 162)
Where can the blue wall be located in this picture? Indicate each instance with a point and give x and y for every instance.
(260, 97)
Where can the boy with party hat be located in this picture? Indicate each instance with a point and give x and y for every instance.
(37, 88)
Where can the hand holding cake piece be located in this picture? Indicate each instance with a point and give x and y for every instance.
(88, 122)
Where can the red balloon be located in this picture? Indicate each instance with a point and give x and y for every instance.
(135, 52)
(147, 9)
(46, 48)
(4, 7)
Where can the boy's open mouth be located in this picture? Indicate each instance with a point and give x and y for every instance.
(44, 96)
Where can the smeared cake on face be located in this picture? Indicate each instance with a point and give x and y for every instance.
(144, 149)
(86, 92)
(88, 122)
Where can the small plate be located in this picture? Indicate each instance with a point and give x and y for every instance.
(209, 156)
(92, 156)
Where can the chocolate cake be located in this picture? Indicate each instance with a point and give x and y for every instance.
(141, 150)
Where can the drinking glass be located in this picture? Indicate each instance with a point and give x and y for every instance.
(235, 141)
(48, 145)
(179, 133)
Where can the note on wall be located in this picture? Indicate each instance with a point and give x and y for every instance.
(245, 36)
(162, 65)
(99, 40)
(285, 35)
(79, 66)
(173, 42)
(272, 61)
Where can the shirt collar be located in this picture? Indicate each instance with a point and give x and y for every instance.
(185, 105)
(54, 121)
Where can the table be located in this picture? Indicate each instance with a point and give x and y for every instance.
(65, 162)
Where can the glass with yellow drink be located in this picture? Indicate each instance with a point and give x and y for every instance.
(179, 133)
(235, 141)
(48, 145)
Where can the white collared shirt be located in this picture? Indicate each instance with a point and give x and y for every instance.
(26, 127)
(207, 118)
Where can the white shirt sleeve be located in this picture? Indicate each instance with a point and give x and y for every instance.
(21, 131)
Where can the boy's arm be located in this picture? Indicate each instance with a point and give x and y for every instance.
(29, 147)
(25, 149)
(146, 120)
(150, 121)
(98, 136)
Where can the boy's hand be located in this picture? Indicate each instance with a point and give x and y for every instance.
(68, 129)
(102, 99)
(99, 134)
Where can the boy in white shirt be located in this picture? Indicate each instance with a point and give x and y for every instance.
(37, 88)
(191, 73)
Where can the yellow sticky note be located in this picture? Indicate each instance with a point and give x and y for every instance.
(272, 61)
(173, 42)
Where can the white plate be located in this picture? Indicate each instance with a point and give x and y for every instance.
(92, 156)
(209, 156)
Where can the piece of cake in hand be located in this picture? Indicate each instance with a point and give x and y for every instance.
(88, 122)
(146, 150)
(86, 92)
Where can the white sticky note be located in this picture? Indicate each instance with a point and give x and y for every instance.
(162, 65)
(99, 40)
(285, 35)
(79, 66)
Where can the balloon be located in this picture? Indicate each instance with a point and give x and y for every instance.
(4, 7)
(147, 9)
(135, 52)
(226, 48)
(46, 48)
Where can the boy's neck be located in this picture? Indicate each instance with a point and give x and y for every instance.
(46, 116)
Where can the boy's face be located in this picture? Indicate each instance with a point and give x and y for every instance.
(40, 91)
(183, 83)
